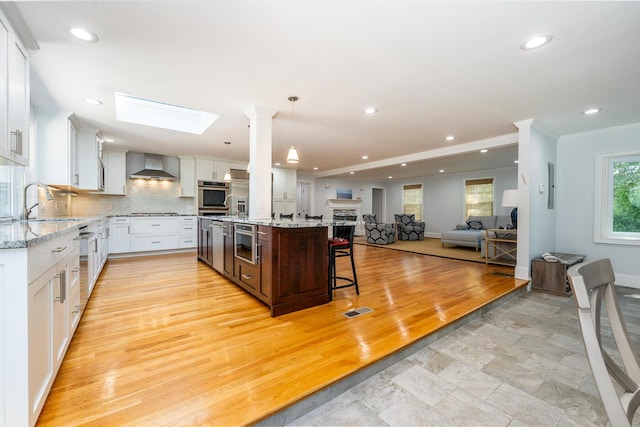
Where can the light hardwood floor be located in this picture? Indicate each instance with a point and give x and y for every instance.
(166, 340)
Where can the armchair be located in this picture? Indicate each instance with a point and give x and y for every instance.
(377, 232)
(409, 228)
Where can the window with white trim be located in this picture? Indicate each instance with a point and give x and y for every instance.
(617, 216)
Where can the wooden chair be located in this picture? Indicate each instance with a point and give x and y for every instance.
(592, 284)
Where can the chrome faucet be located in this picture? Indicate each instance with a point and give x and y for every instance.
(27, 211)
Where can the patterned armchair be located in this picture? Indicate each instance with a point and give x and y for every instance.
(377, 232)
(409, 228)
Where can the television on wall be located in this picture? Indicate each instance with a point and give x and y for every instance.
(344, 193)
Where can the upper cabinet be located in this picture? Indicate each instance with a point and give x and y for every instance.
(90, 168)
(14, 96)
(57, 148)
(115, 170)
(214, 169)
(187, 177)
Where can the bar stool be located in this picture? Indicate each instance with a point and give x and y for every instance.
(341, 245)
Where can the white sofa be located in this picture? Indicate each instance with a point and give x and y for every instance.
(471, 233)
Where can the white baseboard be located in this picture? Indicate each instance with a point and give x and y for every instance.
(628, 280)
(432, 235)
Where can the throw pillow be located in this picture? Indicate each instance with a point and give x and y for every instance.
(475, 225)
(462, 226)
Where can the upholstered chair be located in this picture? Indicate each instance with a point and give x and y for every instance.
(377, 232)
(409, 228)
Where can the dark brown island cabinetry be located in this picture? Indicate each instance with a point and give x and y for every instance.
(290, 270)
(205, 252)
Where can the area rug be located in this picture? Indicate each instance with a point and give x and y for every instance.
(428, 246)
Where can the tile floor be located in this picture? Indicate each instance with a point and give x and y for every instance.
(522, 364)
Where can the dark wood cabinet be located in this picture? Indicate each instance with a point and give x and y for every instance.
(205, 253)
(227, 234)
(551, 277)
(290, 273)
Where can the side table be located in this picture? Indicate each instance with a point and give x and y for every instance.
(551, 277)
(501, 246)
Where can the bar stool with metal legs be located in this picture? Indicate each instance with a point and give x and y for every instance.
(341, 245)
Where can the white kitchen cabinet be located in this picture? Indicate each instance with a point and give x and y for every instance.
(284, 191)
(120, 235)
(90, 168)
(188, 228)
(187, 177)
(214, 169)
(103, 243)
(154, 234)
(115, 170)
(50, 323)
(57, 142)
(14, 95)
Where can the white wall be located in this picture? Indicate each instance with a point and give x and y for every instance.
(542, 220)
(575, 197)
(443, 197)
(359, 189)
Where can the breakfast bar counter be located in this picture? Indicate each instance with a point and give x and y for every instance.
(282, 263)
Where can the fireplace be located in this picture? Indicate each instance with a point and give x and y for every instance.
(343, 208)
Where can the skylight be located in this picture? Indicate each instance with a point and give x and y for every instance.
(132, 109)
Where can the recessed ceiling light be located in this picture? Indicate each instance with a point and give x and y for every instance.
(484, 150)
(450, 138)
(403, 164)
(536, 41)
(277, 163)
(93, 101)
(352, 172)
(591, 111)
(84, 35)
(515, 161)
(365, 157)
(315, 168)
(441, 170)
(390, 177)
(131, 109)
(109, 140)
(370, 110)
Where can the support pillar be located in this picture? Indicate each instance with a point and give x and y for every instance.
(260, 148)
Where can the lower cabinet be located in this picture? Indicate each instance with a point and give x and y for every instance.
(204, 241)
(152, 233)
(290, 273)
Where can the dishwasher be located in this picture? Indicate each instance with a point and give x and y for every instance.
(217, 246)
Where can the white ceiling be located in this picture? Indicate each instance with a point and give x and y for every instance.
(431, 68)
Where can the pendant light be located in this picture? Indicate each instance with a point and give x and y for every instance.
(227, 175)
(292, 157)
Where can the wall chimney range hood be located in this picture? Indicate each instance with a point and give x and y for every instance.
(153, 169)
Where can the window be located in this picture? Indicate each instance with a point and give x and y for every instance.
(478, 197)
(617, 218)
(412, 200)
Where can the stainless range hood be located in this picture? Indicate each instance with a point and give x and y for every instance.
(153, 169)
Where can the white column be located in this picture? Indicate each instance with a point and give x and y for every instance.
(522, 270)
(260, 118)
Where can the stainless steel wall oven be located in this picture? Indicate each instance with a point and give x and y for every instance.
(213, 198)
(246, 243)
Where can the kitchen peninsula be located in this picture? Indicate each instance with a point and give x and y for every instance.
(281, 263)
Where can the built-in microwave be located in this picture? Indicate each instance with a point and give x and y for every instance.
(213, 197)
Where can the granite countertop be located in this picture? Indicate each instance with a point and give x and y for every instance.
(282, 223)
(22, 234)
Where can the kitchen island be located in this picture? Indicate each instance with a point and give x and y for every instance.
(284, 264)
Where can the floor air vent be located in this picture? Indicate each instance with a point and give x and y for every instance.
(357, 312)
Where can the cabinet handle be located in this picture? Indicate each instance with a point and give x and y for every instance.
(76, 269)
(188, 228)
(76, 238)
(17, 142)
(77, 310)
(59, 249)
(261, 232)
(156, 225)
(76, 179)
(246, 276)
(156, 241)
(63, 286)
(188, 241)
(95, 246)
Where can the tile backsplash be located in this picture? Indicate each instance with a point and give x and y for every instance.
(142, 196)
